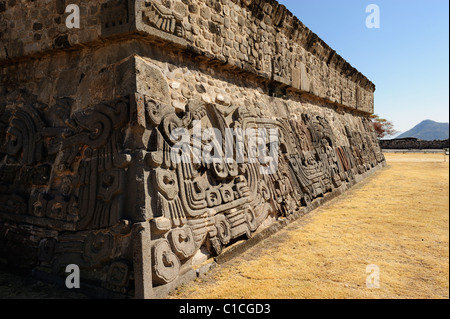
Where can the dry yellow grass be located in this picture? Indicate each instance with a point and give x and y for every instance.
(398, 220)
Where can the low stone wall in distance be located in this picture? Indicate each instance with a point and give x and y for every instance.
(414, 144)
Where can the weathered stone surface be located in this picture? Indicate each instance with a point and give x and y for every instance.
(151, 82)
(270, 43)
(86, 123)
(300, 78)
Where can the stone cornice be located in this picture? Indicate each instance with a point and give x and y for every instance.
(258, 37)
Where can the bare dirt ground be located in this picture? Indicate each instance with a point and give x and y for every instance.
(397, 220)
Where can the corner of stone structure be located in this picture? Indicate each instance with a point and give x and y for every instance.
(89, 123)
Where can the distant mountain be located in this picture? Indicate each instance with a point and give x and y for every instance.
(428, 131)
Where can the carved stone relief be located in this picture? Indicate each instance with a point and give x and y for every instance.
(71, 174)
(211, 205)
(160, 17)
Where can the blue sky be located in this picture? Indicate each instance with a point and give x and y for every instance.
(407, 57)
